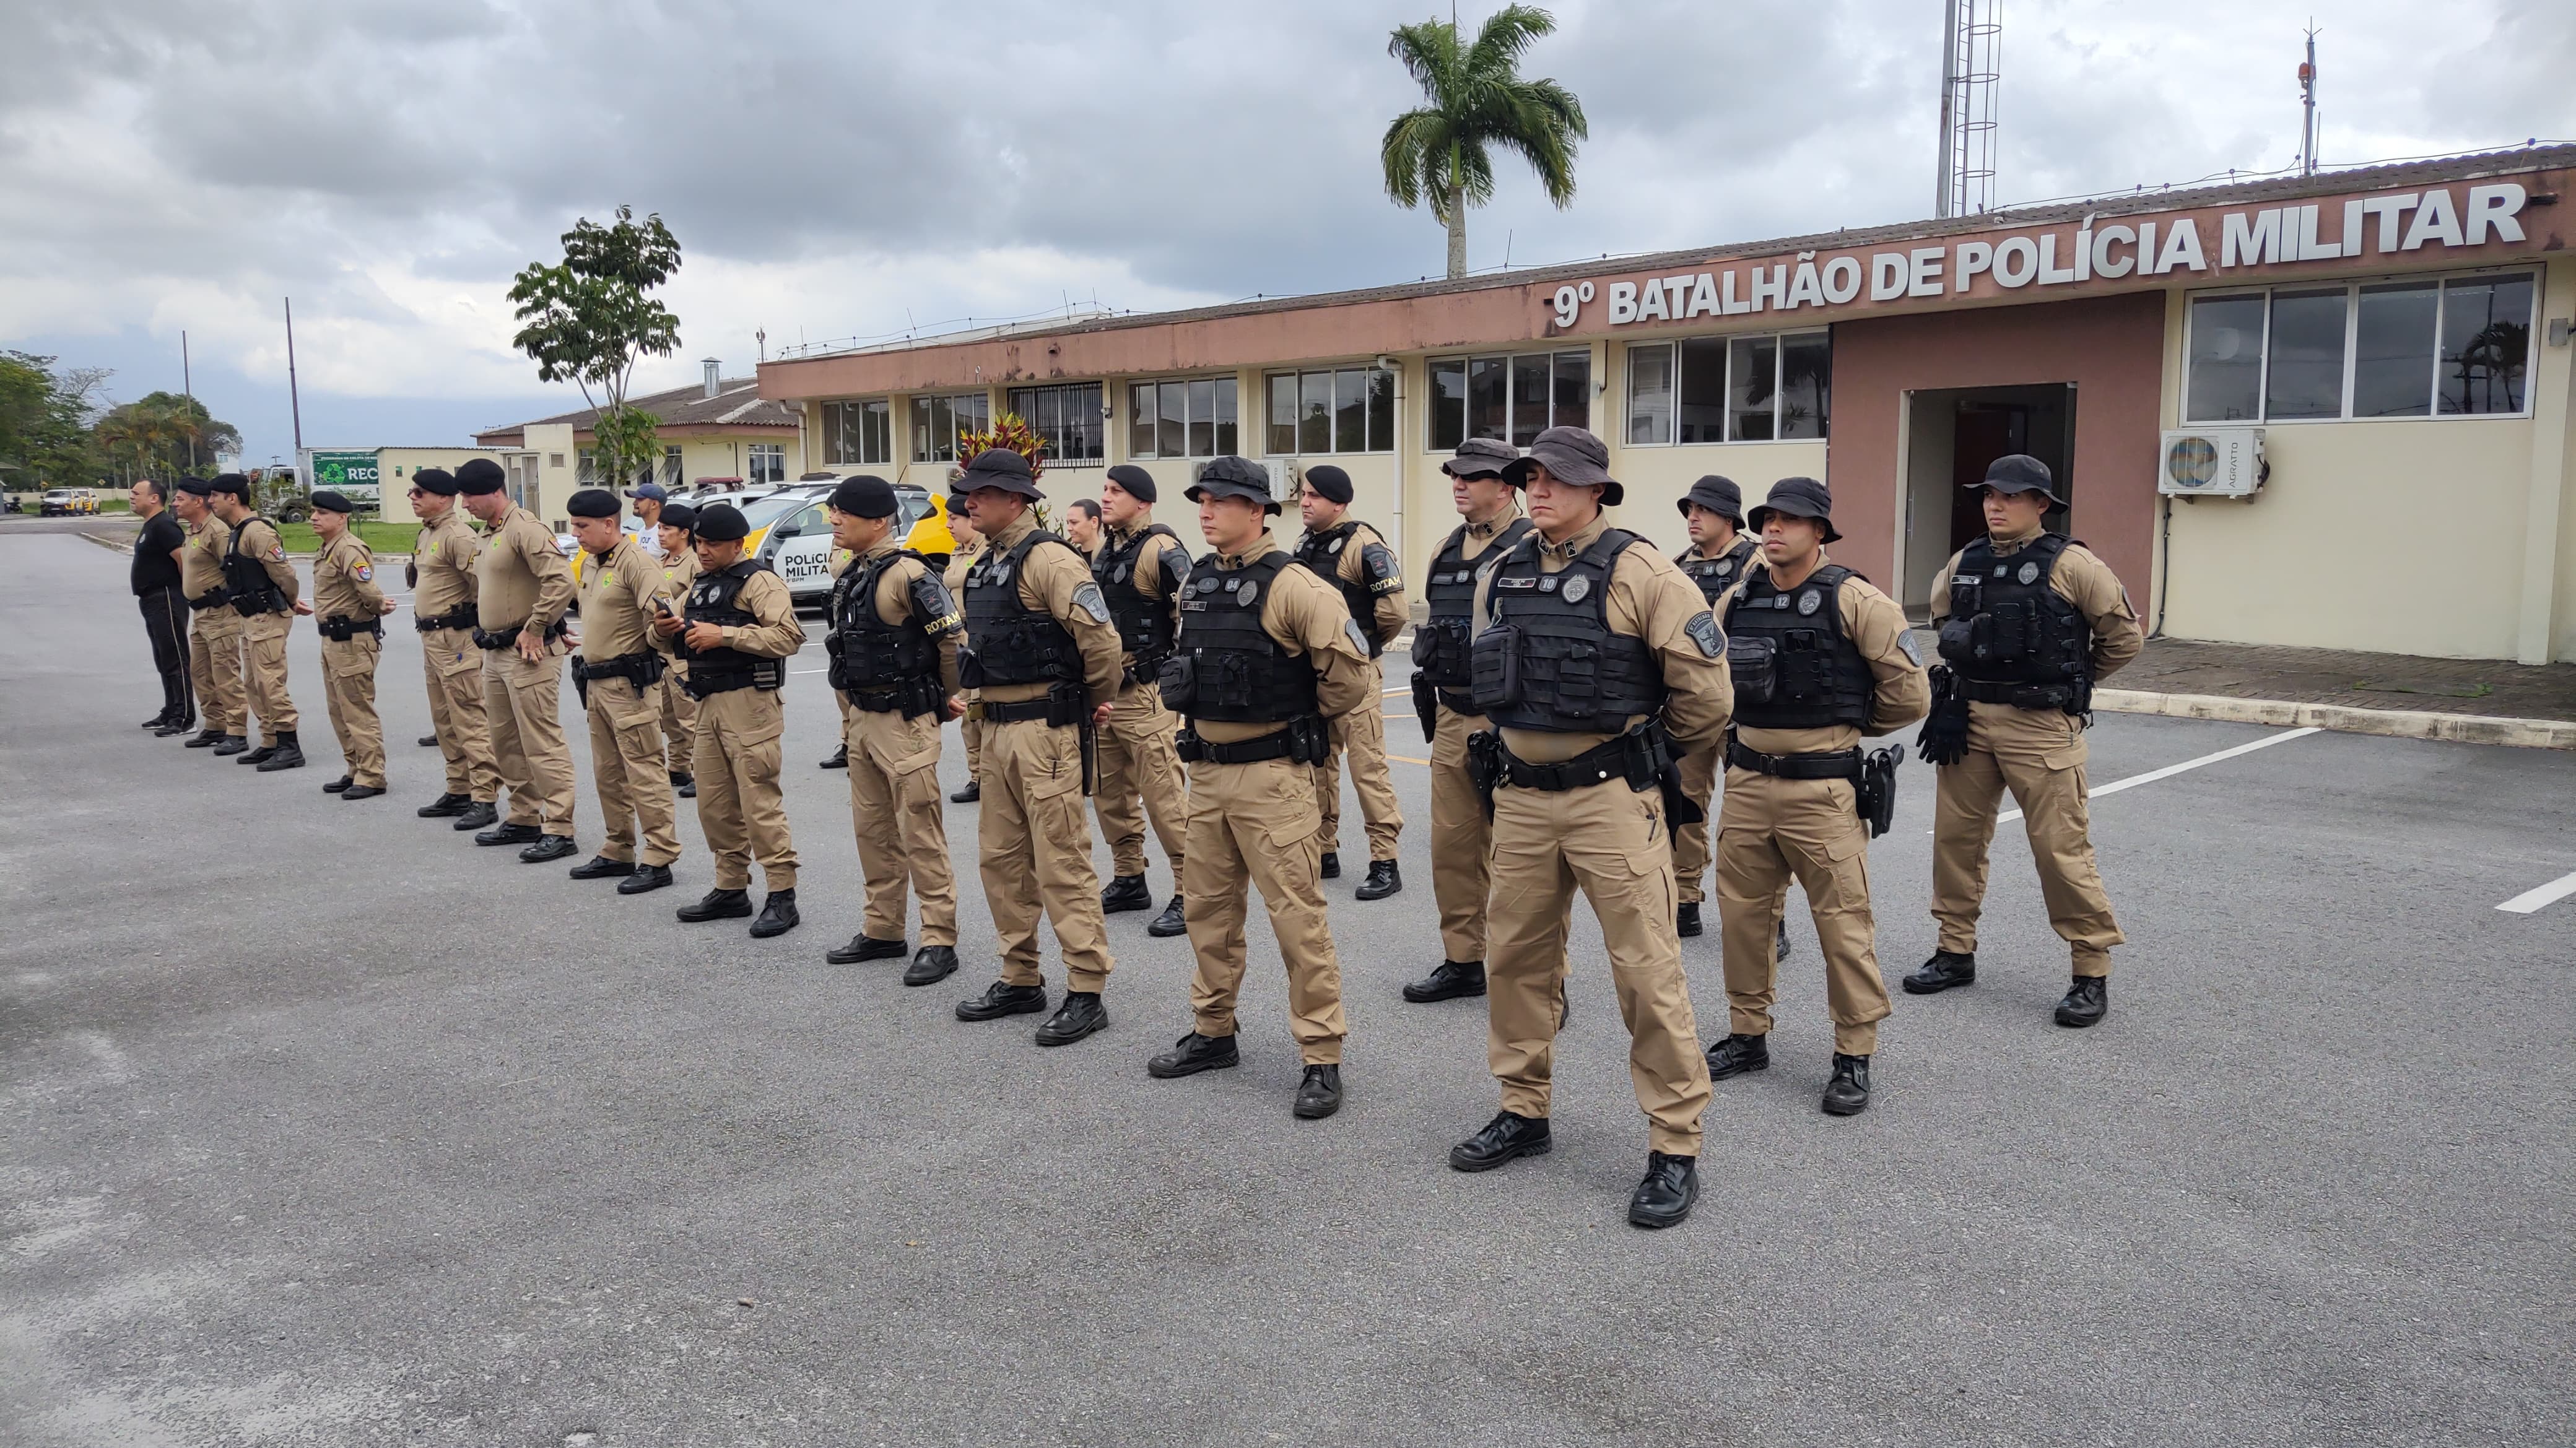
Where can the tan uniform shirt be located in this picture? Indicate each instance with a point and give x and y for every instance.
(201, 558)
(1388, 615)
(618, 593)
(522, 579)
(442, 565)
(1152, 575)
(776, 634)
(2082, 579)
(344, 581)
(1873, 622)
(894, 606)
(259, 540)
(1651, 599)
(1305, 615)
(1050, 579)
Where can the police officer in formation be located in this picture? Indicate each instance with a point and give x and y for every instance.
(262, 588)
(1140, 566)
(1821, 659)
(155, 579)
(1350, 554)
(1044, 658)
(214, 630)
(348, 609)
(1720, 551)
(619, 675)
(1597, 665)
(1462, 835)
(675, 530)
(737, 634)
(2030, 621)
(522, 590)
(970, 730)
(893, 645)
(441, 575)
(1267, 652)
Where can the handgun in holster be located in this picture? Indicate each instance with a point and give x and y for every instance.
(1485, 766)
(1310, 741)
(1426, 705)
(1652, 765)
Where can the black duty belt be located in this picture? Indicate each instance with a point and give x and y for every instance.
(1247, 751)
(1598, 765)
(463, 618)
(643, 670)
(1021, 712)
(1843, 765)
(2020, 696)
(493, 640)
(340, 628)
(1458, 701)
(203, 601)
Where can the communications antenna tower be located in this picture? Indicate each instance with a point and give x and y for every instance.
(1972, 43)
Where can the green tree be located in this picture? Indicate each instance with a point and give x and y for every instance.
(45, 439)
(589, 322)
(163, 434)
(1441, 152)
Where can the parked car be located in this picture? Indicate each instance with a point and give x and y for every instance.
(57, 503)
(800, 547)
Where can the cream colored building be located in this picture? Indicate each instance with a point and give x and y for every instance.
(721, 433)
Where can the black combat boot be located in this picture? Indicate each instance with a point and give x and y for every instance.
(1504, 1137)
(864, 947)
(687, 788)
(446, 806)
(1192, 1054)
(427, 741)
(777, 915)
(717, 905)
(931, 965)
(1738, 1054)
(1686, 919)
(1125, 892)
(1385, 878)
(1945, 970)
(337, 785)
(361, 791)
(1081, 1015)
(289, 754)
(646, 877)
(1332, 865)
(1002, 998)
(548, 849)
(476, 814)
(1848, 1093)
(1664, 1198)
(261, 755)
(2087, 1001)
(971, 793)
(602, 868)
(1173, 921)
(838, 758)
(1448, 981)
(1320, 1094)
(509, 834)
(207, 739)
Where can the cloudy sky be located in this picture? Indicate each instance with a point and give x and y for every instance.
(840, 169)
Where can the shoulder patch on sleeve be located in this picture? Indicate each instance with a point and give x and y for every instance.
(1913, 650)
(1359, 640)
(364, 572)
(276, 553)
(1087, 598)
(1704, 632)
(1377, 562)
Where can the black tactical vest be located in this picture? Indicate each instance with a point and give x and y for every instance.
(1550, 662)
(1791, 646)
(2006, 624)
(1145, 625)
(1240, 674)
(716, 598)
(870, 653)
(1322, 552)
(1716, 575)
(247, 586)
(1440, 644)
(1010, 642)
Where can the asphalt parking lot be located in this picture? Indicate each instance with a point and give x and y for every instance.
(324, 1126)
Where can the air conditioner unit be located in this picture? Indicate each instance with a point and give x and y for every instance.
(2213, 462)
(1283, 478)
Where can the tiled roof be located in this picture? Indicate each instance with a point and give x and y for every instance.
(737, 403)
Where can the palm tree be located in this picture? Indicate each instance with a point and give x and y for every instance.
(1477, 100)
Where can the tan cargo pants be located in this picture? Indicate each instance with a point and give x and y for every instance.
(1035, 851)
(902, 828)
(1136, 760)
(1769, 830)
(264, 661)
(523, 703)
(215, 670)
(349, 684)
(452, 667)
(626, 770)
(1258, 823)
(1361, 734)
(2039, 755)
(740, 809)
(1462, 841)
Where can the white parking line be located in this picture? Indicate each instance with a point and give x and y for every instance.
(2170, 770)
(2532, 901)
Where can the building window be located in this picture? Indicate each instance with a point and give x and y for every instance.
(1194, 419)
(1730, 389)
(1510, 398)
(768, 462)
(554, 460)
(1344, 410)
(587, 475)
(1068, 417)
(671, 467)
(936, 422)
(2421, 348)
(860, 433)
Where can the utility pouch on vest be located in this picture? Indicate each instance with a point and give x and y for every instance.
(1874, 794)
(1485, 766)
(1068, 704)
(1179, 678)
(1426, 650)
(1426, 705)
(1754, 665)
(1495, 668)
(970, 669)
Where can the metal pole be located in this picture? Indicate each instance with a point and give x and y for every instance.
(295, 404)
(2308, 129)
(1949, 102)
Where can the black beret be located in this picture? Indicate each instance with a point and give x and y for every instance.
(331, 502)
(955, 507)
(592, 503)
(1329, 481)
(479, 476)
(1234, 477)
(233, 483)
(723, 523)
(865, 496)
(435, 480)
(1134, 481)
(196, 487)
(678, 515)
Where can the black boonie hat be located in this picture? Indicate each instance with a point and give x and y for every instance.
(1134, 481)
(592, 503)
(331, 502)
(1573, 455)
(478, 476)
(2018, 473)
(723, 523)
(1799, 498)
(1233, 477)
(1719, 495)
(1483, 457)
(999, 467)
(865, 496)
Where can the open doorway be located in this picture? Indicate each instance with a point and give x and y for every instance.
(1951, 435)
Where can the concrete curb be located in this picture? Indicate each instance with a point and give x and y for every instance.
(2388, 723)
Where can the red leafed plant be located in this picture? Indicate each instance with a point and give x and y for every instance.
(1011, 431)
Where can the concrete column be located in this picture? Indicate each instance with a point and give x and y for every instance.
(2553, 412)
